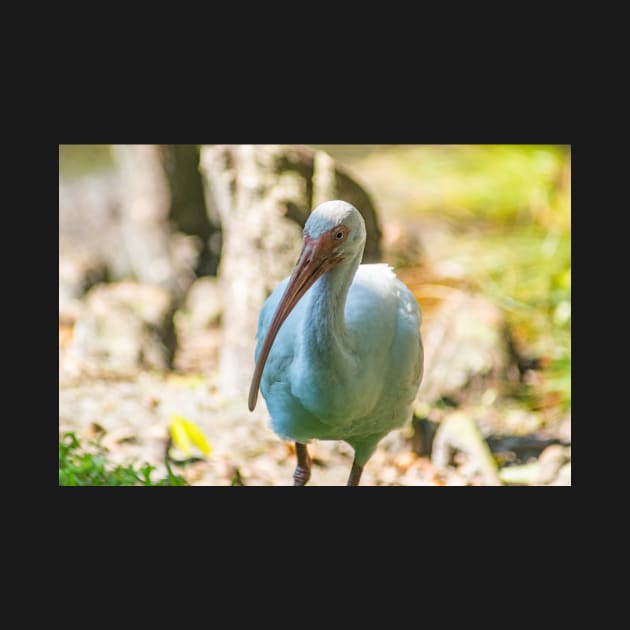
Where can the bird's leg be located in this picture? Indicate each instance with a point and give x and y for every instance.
(355, 474)
(303, 469)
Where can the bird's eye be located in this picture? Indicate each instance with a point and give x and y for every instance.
(339, 235)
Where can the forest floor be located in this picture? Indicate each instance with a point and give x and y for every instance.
(131, 416)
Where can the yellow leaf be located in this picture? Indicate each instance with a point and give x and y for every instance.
(197, 437)
(188, 432)
(179, 434)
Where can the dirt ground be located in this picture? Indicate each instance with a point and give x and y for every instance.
(131, 417)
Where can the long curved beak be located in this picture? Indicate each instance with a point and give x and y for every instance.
(316, 259)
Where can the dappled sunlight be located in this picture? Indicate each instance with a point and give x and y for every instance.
(480, 234)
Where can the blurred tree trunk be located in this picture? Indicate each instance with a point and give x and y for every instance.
(188, 204)
(145, 207)
(165, 226)
(262, 195)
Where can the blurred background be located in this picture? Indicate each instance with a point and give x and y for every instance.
(167, 252)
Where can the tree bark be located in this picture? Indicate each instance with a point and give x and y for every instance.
(145, 206)
(187, 211)
(262, 196)
(165, 227)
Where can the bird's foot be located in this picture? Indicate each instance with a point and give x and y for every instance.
(303, 469)
(301, 476)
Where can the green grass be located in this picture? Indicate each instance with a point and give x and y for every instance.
(87, 465)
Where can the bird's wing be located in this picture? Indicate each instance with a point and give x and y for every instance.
(385, 319)
(378, 303)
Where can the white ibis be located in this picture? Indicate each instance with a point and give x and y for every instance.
(339, 353)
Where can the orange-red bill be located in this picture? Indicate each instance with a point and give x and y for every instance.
(316, 259)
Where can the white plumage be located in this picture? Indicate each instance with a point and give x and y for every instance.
(347, 360)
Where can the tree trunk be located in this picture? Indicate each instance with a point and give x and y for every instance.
(165, 227)
(145, 206)
(262, 195)
(188, 204)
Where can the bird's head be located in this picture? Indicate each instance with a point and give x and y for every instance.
(337, 229)
(334, 234)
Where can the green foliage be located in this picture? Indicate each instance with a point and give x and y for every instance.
(527, 271)
(509, 207)
(499, 183)
(559, 380)
(87, 465)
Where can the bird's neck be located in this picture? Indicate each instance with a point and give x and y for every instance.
(326, 343)
(327, 360)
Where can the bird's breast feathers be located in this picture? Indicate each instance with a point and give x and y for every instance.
(381, 376)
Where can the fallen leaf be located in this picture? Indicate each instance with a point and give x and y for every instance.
(180, 437)
(185, 433)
